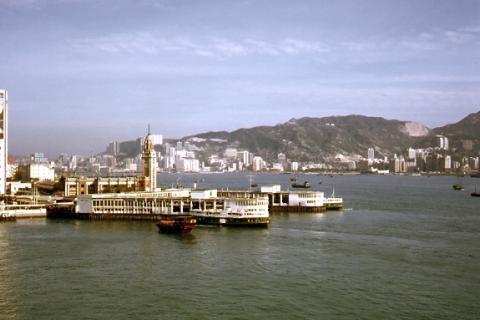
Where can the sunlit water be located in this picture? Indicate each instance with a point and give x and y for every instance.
(405, 248)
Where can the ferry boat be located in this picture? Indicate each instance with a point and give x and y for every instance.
(333, 203)
(237, 212)
(182, 224)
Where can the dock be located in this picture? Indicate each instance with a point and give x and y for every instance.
(203, 203)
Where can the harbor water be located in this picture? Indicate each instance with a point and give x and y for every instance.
(403, 248)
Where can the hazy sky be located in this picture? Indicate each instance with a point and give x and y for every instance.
(83, 73)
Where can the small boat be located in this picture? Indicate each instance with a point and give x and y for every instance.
(476, 193)
(457, 186)
(182, 224)
(304, 185)
(320, 182)
(252, 184)
(475, 175)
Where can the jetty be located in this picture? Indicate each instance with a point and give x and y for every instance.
(209, 202)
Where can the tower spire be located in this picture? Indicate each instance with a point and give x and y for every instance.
(149, 129)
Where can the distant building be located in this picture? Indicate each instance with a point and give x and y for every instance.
(157, 139)
(448, 163)
(73, 163)
(442, 142)
(39, 157)
(294, 166)
(230, 153)
(371, 155)
(113, 148)
(258, 163)
(3, 139)
(179, 145)
(277, 167)
(36, 171)
(244, 157)
(187, 165)
(411, 153)
(398, 165)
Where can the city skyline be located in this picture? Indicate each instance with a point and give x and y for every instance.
(83, 73)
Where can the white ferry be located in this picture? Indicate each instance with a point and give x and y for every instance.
(237, 212)
(333, 203)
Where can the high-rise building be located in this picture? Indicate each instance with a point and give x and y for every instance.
(243, 156)
(257, 163)
(371, 155)
(3, 139)
(442, 142)
(113, 148)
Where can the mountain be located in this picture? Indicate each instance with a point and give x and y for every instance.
(322, 139)
(464, 136)
(318, 139)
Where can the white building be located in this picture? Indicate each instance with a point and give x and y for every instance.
(294, 166)
(187, 165)
(371, 155)
(258, 163)
(442, 142)
(230, 153)
(3, 139)
(448, 162)
(37, 171)
(244, 157)
(412, 153)
(157, 139)
(277, 167)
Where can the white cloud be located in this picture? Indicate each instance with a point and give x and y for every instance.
(148, 43)
(458, 37)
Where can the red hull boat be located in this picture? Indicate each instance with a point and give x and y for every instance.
(182, 224)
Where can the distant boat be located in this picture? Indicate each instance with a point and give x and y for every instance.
(304, 185)
(252, 184)
(320, 182)
(457, 186)
(475, 175)
(475, 194)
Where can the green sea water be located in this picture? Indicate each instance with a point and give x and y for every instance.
(404, 248)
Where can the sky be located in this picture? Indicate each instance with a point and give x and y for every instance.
(82, 73)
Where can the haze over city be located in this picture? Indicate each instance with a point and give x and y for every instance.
(83, 73)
